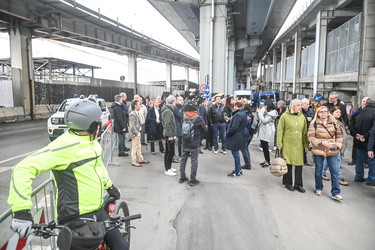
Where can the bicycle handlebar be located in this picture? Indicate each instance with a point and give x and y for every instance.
(131, 217)
(46, 230)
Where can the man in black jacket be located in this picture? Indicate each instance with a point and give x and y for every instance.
(360, 127)
(363, 104)
(216, 116)
(120, 127)
(191, 146)
(178, 116)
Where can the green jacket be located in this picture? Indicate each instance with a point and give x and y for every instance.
(168, 121)
(292, 137)
(78, 171)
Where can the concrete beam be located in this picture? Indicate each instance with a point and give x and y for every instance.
(245, 42)
(168, 77)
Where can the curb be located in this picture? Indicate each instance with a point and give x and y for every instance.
(15, 125)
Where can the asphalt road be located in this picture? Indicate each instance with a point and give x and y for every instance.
(253, 211)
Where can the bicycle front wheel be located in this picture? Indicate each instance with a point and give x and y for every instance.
(123, 211)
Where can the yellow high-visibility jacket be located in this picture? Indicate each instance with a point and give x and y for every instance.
(78, 171)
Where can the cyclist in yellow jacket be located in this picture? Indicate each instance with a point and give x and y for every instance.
(80, 176)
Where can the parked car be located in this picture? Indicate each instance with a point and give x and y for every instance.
(56, 124)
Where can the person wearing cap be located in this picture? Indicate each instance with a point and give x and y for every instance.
(80, 176)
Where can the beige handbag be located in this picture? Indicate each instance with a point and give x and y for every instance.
(278, 165)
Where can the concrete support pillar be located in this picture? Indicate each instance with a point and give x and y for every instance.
(186, 85)
(367, 51)
(22, 70)
(320, 48)
(212, 45)
(282, 66)
(297, 61)
(274, 69)
(231, 80)
(269, 76)
(132, 70)
(168, 77)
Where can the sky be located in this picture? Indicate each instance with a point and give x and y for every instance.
(139, 15)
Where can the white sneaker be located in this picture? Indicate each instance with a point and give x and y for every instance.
(337, 197)
(170, 173)
(173, 169)
(215, 152)
(224, 152)
(318, 192)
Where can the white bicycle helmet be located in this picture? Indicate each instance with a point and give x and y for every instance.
(83, 115)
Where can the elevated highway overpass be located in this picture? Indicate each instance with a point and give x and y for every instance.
(71, 22)
(318, 47)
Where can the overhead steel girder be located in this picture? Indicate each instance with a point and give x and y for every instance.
(57, 20)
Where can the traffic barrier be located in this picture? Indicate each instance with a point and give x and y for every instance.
(43, 211)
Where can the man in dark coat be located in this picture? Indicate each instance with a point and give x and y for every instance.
(120, 126)
(178, 116)
(191, 147)
(354, 150)
(235, 136)
(360, 126)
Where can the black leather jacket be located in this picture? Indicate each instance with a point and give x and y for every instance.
(217, 113)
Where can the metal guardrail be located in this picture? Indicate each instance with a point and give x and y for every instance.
(43, 211)
(44, 207)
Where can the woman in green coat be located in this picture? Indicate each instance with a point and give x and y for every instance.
(292, 140)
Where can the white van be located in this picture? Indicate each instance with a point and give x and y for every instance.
(244, 94)
(56, 124)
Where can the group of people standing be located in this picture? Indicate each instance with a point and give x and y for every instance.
(326, 130)
(294, 129)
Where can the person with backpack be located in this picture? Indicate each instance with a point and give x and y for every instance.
(193, 128)
(326, 140)
(248, 136)
(236, 139)
(292, 143)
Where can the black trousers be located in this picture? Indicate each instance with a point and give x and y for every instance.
(287, 178)
(266, 152)
(169, 153)
(161, 146)
(354, 151)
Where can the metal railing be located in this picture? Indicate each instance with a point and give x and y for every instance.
(43, 211)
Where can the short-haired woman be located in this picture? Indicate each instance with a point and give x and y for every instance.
(292, 140)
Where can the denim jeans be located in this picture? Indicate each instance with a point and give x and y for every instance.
(121, 143)
(333, 168)
(361, 157)
(325, 166)
(221, 128)
(246, 154)
(237, 161)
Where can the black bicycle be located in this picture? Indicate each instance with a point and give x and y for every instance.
(119, 218)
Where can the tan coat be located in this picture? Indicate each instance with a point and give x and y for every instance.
(320, 134)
